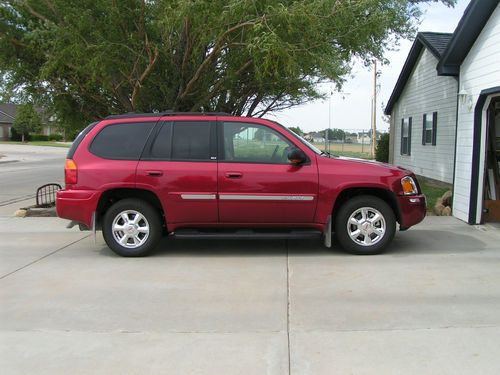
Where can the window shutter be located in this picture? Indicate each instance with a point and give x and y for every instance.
(434, 127)
(401, 142)
(409, 136)
(424, 120)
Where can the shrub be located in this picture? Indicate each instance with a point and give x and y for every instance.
(15, 136)
(382, 151)
(55, 137)
(39, 137)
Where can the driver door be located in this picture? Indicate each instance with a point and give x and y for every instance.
(256, 182)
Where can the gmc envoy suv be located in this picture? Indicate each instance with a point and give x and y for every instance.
(138, 177)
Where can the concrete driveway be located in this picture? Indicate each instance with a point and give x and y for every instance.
(431, 305)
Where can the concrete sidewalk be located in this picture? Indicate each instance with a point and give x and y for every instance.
(431, 305)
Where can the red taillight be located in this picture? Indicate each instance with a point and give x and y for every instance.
(70, 172)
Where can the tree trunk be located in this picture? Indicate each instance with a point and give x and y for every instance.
(22, 137)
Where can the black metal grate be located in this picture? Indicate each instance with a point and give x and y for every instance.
(46, 195)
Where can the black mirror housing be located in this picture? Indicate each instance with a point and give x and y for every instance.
(296, 156)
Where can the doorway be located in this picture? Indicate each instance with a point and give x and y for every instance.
(491, 191)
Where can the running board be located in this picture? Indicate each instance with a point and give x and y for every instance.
(248, 234)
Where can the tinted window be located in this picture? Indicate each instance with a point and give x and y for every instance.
(254, 144)
(121, 141)
(191, 141)
(162, 145)
(79, 139)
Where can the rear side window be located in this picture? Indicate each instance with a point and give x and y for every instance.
(191, 140)
(79, 139)
(162, 145)
(122, 141)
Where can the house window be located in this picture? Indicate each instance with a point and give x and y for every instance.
(429, 127)
(406, 136)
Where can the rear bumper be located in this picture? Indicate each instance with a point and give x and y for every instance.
(412, 210)
(77, 205)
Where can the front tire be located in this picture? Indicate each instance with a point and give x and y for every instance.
(365, 225)
(132, 227)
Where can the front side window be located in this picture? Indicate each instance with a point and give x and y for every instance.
(429, 127)
(121, 141)
(406, 136)
(252, 143)
(191, 140)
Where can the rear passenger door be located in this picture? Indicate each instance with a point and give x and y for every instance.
(179, 164)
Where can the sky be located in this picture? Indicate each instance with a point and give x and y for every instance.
(351, 108)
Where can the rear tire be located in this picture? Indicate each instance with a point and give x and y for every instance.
(132, 227)
(365, 225)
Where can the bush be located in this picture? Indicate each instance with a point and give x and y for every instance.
(55, 137)
(15, 136)
(382, 151)
(39, 137)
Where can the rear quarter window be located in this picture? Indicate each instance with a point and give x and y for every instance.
(124, 141)
(79, 139)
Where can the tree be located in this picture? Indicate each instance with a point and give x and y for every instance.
(382, 150)
(88, 59)
(27, 120)
(334, 134)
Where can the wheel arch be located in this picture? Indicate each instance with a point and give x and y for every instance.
(351, 192)
(111, 196)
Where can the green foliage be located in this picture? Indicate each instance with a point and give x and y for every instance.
(86, 59)
(45, 138)
(27, 120)
(382, 150)
(334, 134)
(17, 137)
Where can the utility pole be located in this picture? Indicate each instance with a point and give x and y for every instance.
(374, 108)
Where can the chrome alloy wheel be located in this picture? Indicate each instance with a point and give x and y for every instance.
(130, 229)
(366, 226)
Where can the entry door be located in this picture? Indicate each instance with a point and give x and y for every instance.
(179, 165)
(257, 184)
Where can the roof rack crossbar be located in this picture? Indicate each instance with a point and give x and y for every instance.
(166, 113)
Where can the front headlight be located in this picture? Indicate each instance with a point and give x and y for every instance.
(409, 186)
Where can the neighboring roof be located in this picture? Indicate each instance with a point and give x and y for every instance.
(468, 29)
(7, 112)
(436, 43)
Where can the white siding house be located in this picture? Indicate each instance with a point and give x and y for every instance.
(479, 71)
(457, 76)
(425, 93)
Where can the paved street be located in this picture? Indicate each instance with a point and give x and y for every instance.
(431, 305)
(23, 168)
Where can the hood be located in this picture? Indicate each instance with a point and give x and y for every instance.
(374, 163)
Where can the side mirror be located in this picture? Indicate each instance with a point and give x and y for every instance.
(296, 156)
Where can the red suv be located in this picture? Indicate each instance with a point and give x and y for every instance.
(211, 175)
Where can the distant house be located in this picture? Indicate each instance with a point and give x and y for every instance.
(315, 137)
(445, 111)
(8, 114)
(366, 137)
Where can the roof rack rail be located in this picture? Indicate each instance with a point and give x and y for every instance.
(165, 113)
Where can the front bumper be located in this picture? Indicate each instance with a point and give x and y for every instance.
(412, 210)
(77, 205)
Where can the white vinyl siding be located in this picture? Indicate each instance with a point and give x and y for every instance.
(479, 71)
(426, 92)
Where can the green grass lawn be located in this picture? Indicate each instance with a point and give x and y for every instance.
(38, 143)
(432, 191)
